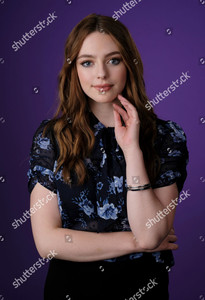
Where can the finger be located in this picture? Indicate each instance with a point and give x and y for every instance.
(121, 111)
(118, 122)
(172, 238)
(120, 97)
(172, 231)
(172, 246)
(131, 110)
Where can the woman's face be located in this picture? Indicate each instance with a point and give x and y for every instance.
(99, 62)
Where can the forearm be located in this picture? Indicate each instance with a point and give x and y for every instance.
(85, 246)
(142, 205)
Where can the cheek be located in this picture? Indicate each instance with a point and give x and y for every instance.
(122, 76)
(83, 76)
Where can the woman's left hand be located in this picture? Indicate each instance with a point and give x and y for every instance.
(127, 136)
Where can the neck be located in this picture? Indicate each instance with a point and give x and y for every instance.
(104, 111)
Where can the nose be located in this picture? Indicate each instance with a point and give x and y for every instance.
(101, 70)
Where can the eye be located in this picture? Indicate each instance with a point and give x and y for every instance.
(86, 63)
(115, 60)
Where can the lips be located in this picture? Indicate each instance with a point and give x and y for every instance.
(103, 87)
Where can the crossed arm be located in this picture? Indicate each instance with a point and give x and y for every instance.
(83, 246)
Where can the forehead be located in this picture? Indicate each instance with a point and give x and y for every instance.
(98, 43)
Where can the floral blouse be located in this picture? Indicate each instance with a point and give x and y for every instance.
(99, 205)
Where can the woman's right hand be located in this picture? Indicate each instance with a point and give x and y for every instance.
(168, 243)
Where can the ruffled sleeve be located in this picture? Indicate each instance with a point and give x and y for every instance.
(42, 159)
(172, 149)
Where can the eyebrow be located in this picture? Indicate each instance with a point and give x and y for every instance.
(89, 55)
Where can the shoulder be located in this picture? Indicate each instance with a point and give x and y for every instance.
(43, 124)
(170, 136)
(44, 137)
(172, 129)
(171, 142)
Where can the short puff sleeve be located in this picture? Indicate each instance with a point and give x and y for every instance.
(171, 147)
(42, 159)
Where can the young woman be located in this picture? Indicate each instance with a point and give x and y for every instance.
(114, 169)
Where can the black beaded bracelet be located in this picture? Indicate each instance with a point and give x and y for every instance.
(139, 188)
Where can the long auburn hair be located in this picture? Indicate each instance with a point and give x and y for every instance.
(70, 124)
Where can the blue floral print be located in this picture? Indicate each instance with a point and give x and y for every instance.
(42, 170)
(118, 183)
(170, 174)
(44, 143)
(98, 127)
(174, 153)
(108, 211)
(157, 256)
(112, 189)
(177, 134)
(99, 185)
(84, 204)
(136, 255)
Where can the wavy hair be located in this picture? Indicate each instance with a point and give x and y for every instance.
(71, 124)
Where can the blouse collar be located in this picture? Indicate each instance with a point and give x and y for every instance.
(98, 126)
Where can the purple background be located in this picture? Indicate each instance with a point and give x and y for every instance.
(22, 108)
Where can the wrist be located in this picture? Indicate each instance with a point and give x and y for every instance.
(133, 153)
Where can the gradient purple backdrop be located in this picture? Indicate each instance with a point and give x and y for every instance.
(170, 38)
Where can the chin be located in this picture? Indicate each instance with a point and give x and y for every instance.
(103, 98)
(106, 99)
